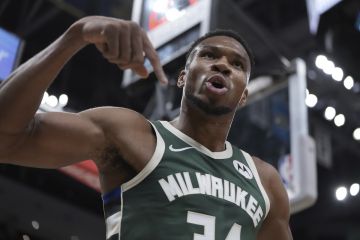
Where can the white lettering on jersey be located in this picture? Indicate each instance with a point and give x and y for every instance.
(211, 186)
(217, 187)
(229, 193)
(189, 185)
(204, 182)
(171, 188)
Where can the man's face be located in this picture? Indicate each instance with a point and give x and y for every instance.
(215, 80)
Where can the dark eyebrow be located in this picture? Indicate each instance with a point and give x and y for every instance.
(215, 49)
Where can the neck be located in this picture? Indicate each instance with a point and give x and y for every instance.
(210, 131)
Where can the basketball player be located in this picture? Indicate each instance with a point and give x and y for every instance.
(159, 180)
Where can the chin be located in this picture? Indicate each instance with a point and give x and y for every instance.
(208, 106)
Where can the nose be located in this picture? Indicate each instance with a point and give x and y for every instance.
(221, 66)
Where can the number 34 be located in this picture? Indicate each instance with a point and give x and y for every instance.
(209, 227)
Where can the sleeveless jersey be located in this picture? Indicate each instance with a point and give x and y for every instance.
(188, 192)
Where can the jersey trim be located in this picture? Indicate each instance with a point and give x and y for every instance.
(113, 213)
(150, 166)
(227, 153)
(252, 166)
(113, 224)
(121, 214)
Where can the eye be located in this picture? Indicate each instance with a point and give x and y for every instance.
(238, 64)
(208, 55)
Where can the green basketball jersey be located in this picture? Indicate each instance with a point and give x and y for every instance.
(188, 192)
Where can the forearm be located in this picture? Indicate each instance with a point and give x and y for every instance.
(21, 93)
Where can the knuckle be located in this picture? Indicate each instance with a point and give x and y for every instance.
(109, 30)
(122, 66)
(125, 27)
(134, 26)
(138, 60)
(124, 60)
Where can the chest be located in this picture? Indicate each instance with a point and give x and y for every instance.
(190, 190)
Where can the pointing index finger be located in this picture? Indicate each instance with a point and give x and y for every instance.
(153, 57)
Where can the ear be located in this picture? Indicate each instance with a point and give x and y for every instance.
(181, 79)
(243, 98)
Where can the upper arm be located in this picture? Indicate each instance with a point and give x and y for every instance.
(58, 139)
(276, 224)
(53, 140)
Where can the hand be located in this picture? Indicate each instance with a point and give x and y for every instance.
(123, 43)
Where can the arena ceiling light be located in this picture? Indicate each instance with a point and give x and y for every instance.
(329, 113)
(63, 100)
(339, 120)
(337, 74)
(52, 101)
(329, 67)
(311, 100)
(26, 237)
(341, 193)
(321, 61)
(349, 82)
(356, 134)
(354, 189)
(35, 224)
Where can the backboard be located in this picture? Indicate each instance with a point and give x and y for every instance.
(172, 25)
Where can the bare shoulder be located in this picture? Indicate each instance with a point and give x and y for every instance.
(115, 117)
(276, 225)
(265, 170)
(268, 174)
(271, 180)
(118, 123)
(128, 133)
(121, 127)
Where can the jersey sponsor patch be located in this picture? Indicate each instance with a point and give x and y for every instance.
(243, 169)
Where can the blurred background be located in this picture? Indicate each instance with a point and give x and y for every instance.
(41, 204)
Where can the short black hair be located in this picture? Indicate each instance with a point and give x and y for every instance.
(222, 32)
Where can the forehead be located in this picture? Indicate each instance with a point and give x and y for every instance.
(225, 42)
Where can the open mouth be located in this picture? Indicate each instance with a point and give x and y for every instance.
(217, 81)
(216, 84)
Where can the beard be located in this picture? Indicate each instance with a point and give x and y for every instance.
(208, 108)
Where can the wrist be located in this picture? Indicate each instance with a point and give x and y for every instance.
(74, 35)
